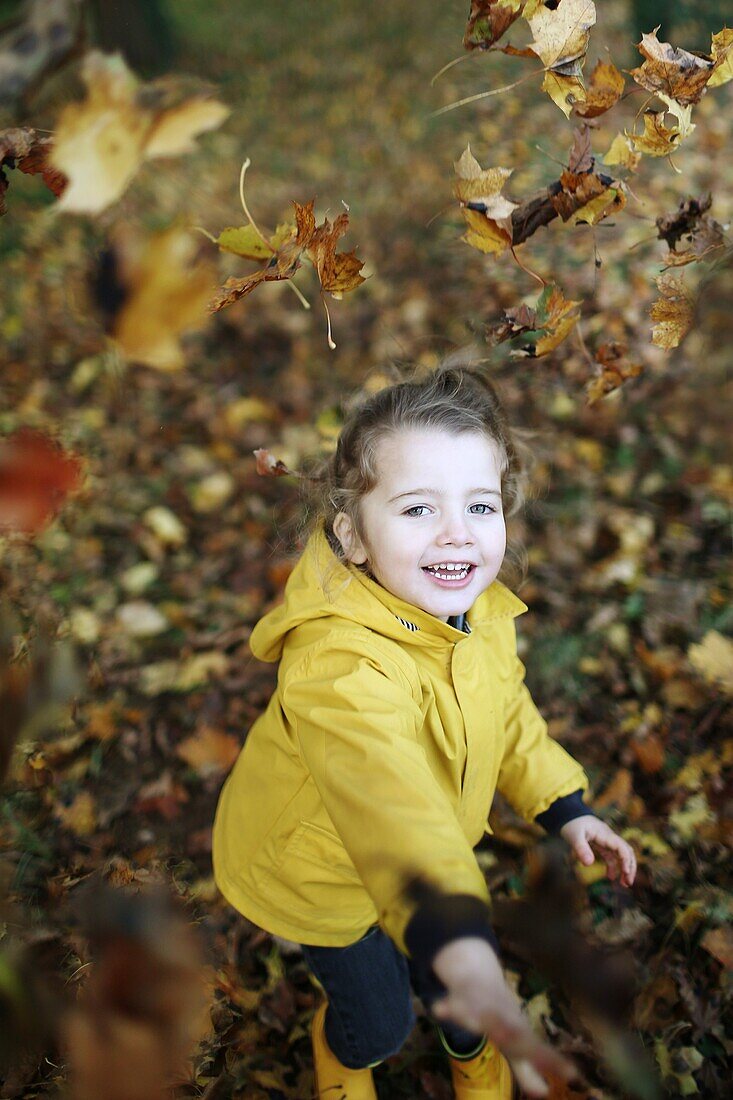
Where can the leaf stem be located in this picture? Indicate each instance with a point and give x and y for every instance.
(331, 344)
(483, 95)
(455, 61)
(249, 217)
(303, 301)
(200, 229)
(528, 270)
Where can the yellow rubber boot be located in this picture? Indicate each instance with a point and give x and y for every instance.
(485, 1077)
(334, 1081)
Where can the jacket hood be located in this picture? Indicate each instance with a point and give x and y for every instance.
(322, 587)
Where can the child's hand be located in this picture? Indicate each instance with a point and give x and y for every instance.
(583, 834)
(479, 1000)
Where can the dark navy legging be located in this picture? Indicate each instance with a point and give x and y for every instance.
(368, 986)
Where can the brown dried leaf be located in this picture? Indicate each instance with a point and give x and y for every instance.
(338, 272)
(673, 312)
(26, 150)
(679, 74)
(488, 20)
(269, 466)
(604, 90)
(690, 221)
(614, 371)
(541, 329)
(209, 751)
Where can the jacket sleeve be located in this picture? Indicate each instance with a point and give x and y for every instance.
(535, 769)
(357, 725)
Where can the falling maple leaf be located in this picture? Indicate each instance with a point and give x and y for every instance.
(209, 751)
(621, 152)
(488, 21)
(36, 476)
(584, 196)
(487, 212)
(164, 287)
(604, 90)
(678, 74)
(539, 329)
(27, 150)
(269, 466)
(690, 221)
(721, 51)
(614, 369)
(673, 312)
(560, 36)
(338, 272)
(657, 140)
(101, 142)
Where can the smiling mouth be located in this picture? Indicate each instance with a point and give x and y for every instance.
(450, 571)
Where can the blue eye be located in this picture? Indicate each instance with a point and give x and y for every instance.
(415, 510)
(488, 509)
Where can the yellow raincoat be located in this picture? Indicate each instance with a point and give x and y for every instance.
(378, 756)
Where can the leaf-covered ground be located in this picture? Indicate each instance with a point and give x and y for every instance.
(150, 580)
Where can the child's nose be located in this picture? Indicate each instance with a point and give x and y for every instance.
(456, 530)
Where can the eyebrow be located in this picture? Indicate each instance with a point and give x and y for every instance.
(439, 493)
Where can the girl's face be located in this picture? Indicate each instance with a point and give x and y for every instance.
(433, 526)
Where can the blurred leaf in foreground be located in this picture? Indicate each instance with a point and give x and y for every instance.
(36, 476)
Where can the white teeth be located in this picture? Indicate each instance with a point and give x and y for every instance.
(449, 571)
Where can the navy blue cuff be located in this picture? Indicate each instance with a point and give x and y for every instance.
(441, 918)
(563, 810)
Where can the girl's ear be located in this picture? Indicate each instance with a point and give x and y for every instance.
(343, 529)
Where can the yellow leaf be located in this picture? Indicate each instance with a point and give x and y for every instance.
(484, 234)
(657, 140)
(713, 659)
(565, 91)
(562, 317)
(487, 212)
(165, 525)
(101, 142)
(673, 312)
(687, 820)
(168, 291)
(648, 843)
(174, 130)
(722, 51)
(609, 201)
(620, 152)
(244, 240)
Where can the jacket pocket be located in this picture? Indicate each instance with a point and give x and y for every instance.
(318, 846)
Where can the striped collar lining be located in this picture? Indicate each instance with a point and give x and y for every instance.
(458, 621)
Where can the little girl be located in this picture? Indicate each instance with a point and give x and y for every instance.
(350, 819)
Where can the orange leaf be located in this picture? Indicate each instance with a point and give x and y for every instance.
(36, 475)
(209, 750)
(605, 89)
